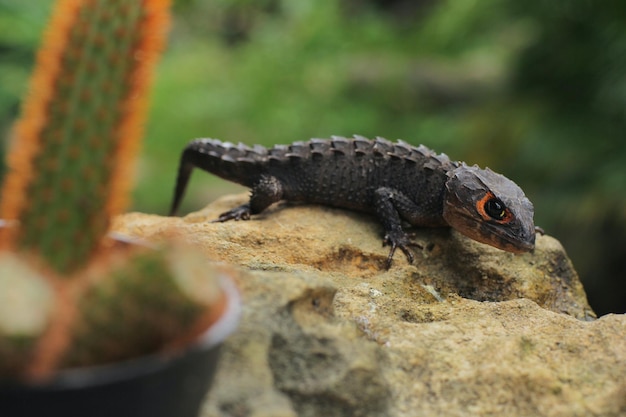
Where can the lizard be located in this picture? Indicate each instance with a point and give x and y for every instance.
(394, 181)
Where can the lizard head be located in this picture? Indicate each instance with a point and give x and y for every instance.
(489, 208)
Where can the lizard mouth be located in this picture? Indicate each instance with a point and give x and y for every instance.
(511, 237)
(516, 245)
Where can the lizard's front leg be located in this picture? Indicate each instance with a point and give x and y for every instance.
(265, 192)
(388, 205)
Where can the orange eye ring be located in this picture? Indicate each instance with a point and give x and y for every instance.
(492, 208)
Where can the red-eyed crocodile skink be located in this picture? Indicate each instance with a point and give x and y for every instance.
(395, 181)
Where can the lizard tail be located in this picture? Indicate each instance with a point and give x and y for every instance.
(237, 163)
(184, 173)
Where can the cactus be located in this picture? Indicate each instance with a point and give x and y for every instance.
(26, 302)
(91, 299)
(156, 298)
(81, 127)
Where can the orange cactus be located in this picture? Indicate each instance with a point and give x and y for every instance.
(88, 97)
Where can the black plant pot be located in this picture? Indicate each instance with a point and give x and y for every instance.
(151, 386)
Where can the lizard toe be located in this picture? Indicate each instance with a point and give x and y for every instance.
(238, 213)
(402, 241)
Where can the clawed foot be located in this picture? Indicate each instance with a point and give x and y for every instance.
(238, 213)
(402, 240)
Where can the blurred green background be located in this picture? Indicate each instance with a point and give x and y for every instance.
(535, 90)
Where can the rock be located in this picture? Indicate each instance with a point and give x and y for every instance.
(467, 330)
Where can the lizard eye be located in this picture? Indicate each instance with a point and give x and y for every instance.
(495, 209)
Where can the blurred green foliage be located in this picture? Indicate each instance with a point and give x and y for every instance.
(536, 90)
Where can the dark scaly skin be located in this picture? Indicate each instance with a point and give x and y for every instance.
(394, 181)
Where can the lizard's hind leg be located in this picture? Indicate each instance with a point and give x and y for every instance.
(267, 191)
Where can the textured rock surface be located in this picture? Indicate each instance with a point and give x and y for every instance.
(468, 330)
